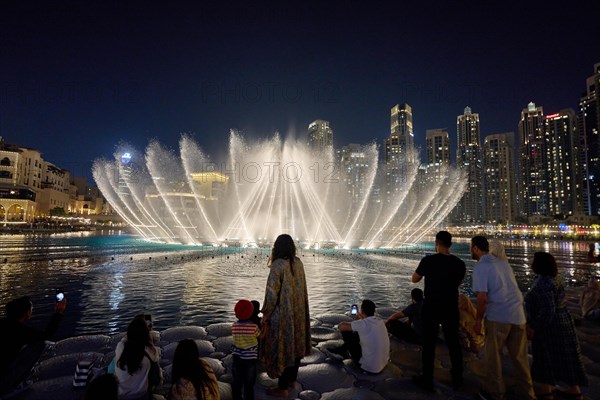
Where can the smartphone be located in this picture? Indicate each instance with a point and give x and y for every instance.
(148, 318)
(60, 295)
(354, 309)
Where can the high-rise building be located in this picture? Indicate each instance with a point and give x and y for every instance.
(438, 147)
(588, 127)
(500, 182)
(398, 150)
(562, 163)
(468, 157)
(533, 185)
(320, 136)
(398, 146)
(355, 164)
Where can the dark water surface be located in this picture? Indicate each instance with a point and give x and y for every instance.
(110, 277)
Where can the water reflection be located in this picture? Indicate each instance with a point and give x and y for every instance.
(109, 279)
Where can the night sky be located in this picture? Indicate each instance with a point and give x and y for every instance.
(76, 78)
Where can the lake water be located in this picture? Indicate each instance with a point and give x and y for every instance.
(109, 277)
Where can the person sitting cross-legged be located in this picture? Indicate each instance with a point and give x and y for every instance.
(366, 339)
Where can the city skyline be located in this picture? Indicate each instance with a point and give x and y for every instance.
(78, 79)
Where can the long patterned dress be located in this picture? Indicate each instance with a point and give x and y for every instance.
(555, 348)
(287, 335)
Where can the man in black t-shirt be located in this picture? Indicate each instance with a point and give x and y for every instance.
(412, 330)
(443, 274)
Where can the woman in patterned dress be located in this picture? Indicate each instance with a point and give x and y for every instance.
(286, 321)
(555, 348)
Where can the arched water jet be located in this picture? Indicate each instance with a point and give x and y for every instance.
(267, 187)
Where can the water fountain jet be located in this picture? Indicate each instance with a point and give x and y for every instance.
(267, 187)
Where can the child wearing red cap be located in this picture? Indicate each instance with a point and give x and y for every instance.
(245, 351)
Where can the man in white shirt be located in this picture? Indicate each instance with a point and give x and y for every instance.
(500, 309)
(367, 339)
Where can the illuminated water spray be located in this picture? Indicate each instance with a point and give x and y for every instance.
(265, 188)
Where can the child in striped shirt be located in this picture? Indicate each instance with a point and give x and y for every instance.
(245, 351)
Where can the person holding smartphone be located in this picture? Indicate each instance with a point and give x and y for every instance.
(366, 339)
(154, 335)
(23, 344)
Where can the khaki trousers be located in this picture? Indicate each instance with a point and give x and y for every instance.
(514, 337)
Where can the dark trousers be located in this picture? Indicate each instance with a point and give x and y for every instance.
(244, 376)
(352, 344)
(433, 316)
(21, 366)
(403, 331)
(289, 375)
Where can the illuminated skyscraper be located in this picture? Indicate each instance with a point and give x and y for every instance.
(500, 178)
(468, 157)
(533, 185)
(438, 147)
(320, 136)
(398, 146)
(562, 163)
(398, 149)
(588, 126)
(355, 165)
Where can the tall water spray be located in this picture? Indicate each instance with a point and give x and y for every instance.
(265, 188)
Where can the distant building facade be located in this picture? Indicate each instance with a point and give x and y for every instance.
(588, 126)
(398, 146)
(398, 151)
(31, 187)
(500, 182)
(437, 145)
(355, 166)
(320, 136)
(533, 185)
(562, 163)
(469, 158)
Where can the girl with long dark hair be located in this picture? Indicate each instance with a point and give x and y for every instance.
(134, 355)
(192, 378)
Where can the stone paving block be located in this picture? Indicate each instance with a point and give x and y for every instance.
(324, 377)
(333, 319)
(351, 393)
(223, 344)
(63, 365)
(390, 371)
(178, 333)
(53, 389)
(85, 343)
(315, 357)
(219, 330)
(321, 334)
(309, 395)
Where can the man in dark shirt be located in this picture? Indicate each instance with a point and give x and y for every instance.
(412, 331)
(23, 345)
(443, 274)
